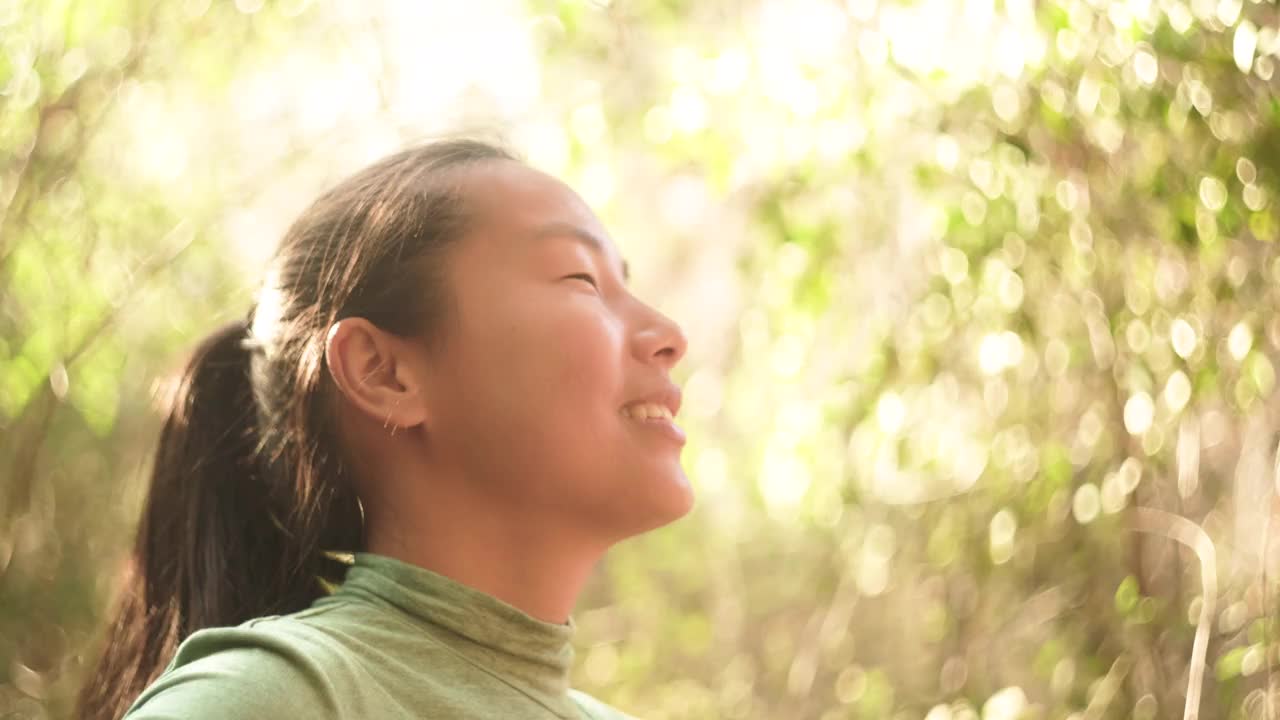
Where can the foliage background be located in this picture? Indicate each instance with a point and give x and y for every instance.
(982, 297)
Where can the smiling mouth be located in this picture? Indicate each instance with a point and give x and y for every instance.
(656, 417)
(647, 411)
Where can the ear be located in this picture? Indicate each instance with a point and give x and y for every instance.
(373, 371)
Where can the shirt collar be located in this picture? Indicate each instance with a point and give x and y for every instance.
(533, 655)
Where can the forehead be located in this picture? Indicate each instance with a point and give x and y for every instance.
(517, 210)
(516, 198)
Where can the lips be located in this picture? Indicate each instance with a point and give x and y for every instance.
(647, 411)
(664, 403)
(656, 411)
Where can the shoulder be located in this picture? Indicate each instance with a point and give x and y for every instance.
(593, 709)
(266, 668)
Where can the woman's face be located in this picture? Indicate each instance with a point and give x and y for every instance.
(551, 384)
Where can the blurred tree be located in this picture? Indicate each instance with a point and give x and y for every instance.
(977, 292)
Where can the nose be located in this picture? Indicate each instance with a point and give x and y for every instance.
(660, 340)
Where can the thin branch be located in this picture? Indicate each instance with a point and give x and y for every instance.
(1268, 621)
(1182, 530)
(1107, 688)
(24, 465)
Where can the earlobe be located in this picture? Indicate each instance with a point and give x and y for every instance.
(372, 372)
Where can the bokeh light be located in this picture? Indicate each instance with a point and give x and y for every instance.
(972, 288)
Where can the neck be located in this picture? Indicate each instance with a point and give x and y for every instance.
(523, 561)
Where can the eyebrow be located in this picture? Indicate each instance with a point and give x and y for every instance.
(581, 235)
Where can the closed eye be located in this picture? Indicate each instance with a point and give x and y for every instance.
(584, 276)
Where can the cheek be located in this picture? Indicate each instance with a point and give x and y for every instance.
(586, 355)
(540, 364)
(536, 396)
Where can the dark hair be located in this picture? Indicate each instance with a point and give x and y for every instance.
(249, 492)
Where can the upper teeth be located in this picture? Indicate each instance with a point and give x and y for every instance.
(644, 411)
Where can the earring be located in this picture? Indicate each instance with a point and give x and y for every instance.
(388, 422)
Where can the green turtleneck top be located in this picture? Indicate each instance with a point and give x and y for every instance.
(394, 641)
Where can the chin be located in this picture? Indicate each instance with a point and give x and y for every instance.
(667, 501)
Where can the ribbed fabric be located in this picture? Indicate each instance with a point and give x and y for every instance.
(394, 642)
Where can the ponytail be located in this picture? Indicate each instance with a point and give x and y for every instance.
(211, 549)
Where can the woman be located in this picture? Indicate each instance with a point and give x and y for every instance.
(445, 375)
